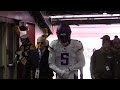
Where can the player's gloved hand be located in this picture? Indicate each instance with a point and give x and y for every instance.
(67, 70)
(65, 74)
(60, 72)
(71, 68)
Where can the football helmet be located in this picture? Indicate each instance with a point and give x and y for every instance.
(64, 33)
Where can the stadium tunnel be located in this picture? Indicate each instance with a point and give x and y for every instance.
(86, 26)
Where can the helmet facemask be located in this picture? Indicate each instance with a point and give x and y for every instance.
(64, 39)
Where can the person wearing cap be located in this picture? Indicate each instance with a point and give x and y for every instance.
(102, 61)
(22, 54)
(106, 37)
(38, 62)
(116, 50)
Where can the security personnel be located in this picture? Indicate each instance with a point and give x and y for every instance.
(22, 53)
(102, 61)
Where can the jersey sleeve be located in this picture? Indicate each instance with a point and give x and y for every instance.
(79, 56)
(51, 60)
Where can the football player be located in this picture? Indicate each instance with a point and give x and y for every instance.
(66, 55)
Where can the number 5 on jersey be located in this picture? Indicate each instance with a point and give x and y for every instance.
(64, 58)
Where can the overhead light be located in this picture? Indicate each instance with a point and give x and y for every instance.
(104, 13)
(115, 14)
(84, 16)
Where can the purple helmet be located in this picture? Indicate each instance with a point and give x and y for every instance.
(63, 33)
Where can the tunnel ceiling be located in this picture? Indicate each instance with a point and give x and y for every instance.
(39, 19)
(77, 21)
(79, 12)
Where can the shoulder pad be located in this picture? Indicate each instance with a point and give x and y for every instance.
(53, 43)
(78, 45)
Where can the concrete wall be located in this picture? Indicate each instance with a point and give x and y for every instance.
(23, 16)
(18, 15)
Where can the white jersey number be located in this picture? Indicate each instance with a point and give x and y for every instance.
(64, 58)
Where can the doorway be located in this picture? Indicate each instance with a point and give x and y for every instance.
(8, 40)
